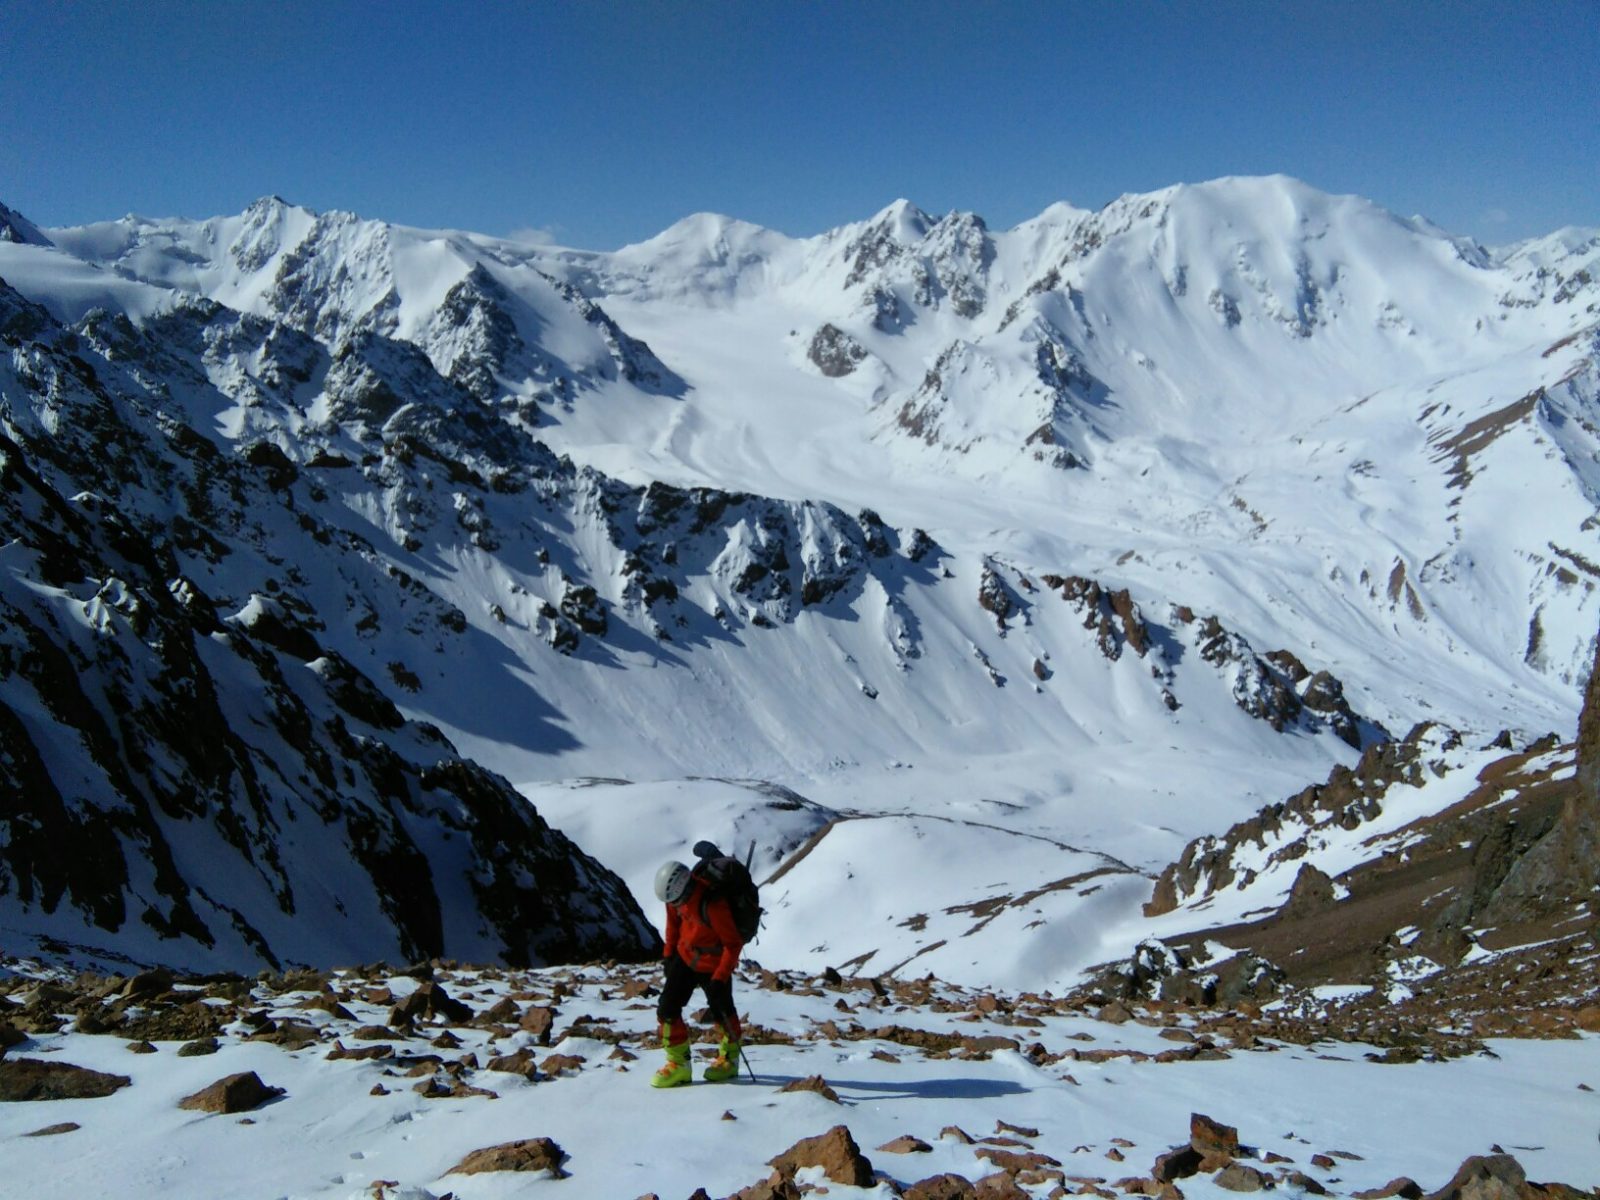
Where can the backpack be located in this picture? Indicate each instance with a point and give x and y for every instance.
(730, 879)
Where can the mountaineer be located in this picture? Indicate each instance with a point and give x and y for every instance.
(712, 911)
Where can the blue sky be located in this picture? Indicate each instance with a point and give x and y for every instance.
(602, 123)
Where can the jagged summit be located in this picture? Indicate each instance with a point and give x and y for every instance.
(17, 229)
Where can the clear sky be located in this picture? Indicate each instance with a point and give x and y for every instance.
(602, 123)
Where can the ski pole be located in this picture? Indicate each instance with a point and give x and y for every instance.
(744, 1056)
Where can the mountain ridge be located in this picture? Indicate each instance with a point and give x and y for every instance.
(1180, 503)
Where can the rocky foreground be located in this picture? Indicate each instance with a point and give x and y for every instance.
(952, 1092)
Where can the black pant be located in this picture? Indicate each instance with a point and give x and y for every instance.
(681, 981)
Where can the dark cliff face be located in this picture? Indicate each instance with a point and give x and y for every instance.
(1589, 736)
(194, 778)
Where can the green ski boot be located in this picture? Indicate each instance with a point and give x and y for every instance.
(675, 1072)
(726, 1065)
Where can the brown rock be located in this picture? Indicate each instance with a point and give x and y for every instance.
(33, 1079)
(1212, 1138)
(1002, 1185)
(1311, 893)
(1238, 1177)
(1117, 1013)
(555, 1064)
(365, 1053)
(775, 1187)
(179, 1023)
(1019, 1130)
(1305, 1183)
(147, 984)
(1012, 1162)
(435, 1088)
(520, 1063)
(1177, 1163)
(812, 1083)
(1486, 1177)
(198, 1048)
(503, 1012)
(835, 1152)
(906, 1144)
(941, 1187)
(1406, 1189)
(233, 1094)
(141, 1048)
(960, 1134)
(1323, 1162)
(53, 1130)
(530, 1154)
(537, 1021)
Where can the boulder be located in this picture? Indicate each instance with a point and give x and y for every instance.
(26, 1079)
(1238, 1177)
(1212, 1139)
(1002, 1185)
(1487, 1177)
(232, 1094)
(812, 1083)
(1013, 1162)
(775, 1187)
(906, 1144)
(1406, 1189)
(537, 1021)
(530, 1154)
(941, 1187)
(147, 984)
(835, 1152)
(1177, 1163)
(53, 1130)
(1311, 893)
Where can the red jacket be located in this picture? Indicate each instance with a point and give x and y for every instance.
(700, 930)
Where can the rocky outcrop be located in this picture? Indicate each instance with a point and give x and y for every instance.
(834, 352)
(528, 1154)
(25, 1079)
(835, 1152)
(233, 1094)
(1111, 614)
(139, 711)
(1349, 798)
(1544, 858)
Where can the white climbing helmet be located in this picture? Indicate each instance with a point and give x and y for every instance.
(672, 881)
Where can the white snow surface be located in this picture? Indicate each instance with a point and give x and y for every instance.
(328, 1138)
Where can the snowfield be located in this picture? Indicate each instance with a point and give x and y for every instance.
(332, 1136)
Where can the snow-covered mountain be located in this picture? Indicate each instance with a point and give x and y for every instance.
(1023, 556)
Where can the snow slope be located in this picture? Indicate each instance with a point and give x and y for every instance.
(1301, 472)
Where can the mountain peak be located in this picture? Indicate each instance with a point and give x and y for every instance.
(14, 227)
(903, 221)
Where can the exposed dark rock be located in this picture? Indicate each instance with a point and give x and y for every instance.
(834, 352)
(906, 1144)
(232, 1094)
(812, 1083)
(1211, 1138)
(1312, 892)
(529, 1154)
(835, 1152)
(1241, 1177)
(941, 1187)
(27, 1079)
